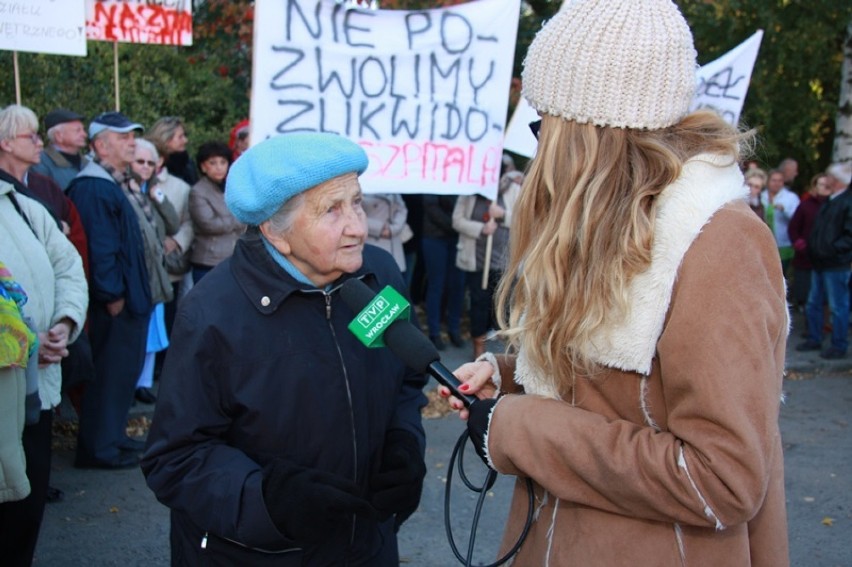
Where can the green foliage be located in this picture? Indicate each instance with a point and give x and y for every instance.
(795, 86)
(154, 81)
(792, 99)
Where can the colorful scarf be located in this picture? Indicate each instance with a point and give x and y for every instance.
(17, 341)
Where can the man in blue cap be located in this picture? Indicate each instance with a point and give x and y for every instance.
(120, 299)
(278, 437)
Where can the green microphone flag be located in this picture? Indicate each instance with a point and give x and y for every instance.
(371, 323)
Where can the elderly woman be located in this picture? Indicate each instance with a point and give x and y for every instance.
(644, 305)
(216, 229)
(278, 437)
(46, 265)
(158, 220)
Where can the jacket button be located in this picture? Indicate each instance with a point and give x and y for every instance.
(265, 301)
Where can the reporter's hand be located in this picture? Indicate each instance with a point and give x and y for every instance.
(397, 486)
(308, 505)
(477, 426)
(476, 381)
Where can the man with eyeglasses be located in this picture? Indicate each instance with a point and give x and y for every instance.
(61, 158)
(120, 296)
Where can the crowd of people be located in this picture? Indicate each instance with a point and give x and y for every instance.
(651, 433)
(813, 234)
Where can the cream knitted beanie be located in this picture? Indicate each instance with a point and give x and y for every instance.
(620, 63)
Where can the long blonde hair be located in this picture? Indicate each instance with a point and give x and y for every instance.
(583, 228)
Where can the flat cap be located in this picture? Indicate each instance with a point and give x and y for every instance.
(61, 116)
(274, 171)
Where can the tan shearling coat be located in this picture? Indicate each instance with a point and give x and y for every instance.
(672, 455)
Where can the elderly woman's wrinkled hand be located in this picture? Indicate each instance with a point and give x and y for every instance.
(476, 381)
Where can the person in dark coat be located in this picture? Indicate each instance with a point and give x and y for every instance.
(278, 437)
(830, 251)
(120, 297)
(799, 230)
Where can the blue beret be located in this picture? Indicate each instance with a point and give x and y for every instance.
(275, 170)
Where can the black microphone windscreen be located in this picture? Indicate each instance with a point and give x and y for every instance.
(411, 345)
(402, 338)
(356, 294)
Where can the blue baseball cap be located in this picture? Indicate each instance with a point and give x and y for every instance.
(115, 121)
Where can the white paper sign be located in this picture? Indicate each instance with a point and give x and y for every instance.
(722, 86)
(723, 83)
(43, 26)
(424, 92)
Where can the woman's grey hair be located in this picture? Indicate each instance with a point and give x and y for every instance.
(147, 145)
(282, 220)
(15, 119)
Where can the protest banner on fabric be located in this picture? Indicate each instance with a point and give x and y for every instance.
(723, 83)
(722, 86)
(424, 92)
(44, 26)
(162, 22)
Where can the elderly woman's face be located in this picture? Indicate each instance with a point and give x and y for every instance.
(327, 236)
(144, 164)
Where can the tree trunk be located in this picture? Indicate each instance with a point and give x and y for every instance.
(843, 133)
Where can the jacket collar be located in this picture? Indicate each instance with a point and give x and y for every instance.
(266, 284)
(706, 184)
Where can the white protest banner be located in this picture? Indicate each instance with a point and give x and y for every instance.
(519, 137)
(722, 86)
(424, 92)
(723, 83)
(43, 26)
(162, 22)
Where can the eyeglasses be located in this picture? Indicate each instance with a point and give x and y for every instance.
(149, 163)
(535, 127)
(33, 136)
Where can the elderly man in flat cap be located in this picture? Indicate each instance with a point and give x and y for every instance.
(279, 438)
(61, 158)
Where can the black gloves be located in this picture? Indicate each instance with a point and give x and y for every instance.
(477, 425)
(397, 486)
(307, 505)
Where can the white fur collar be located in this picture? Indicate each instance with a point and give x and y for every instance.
(706, 184)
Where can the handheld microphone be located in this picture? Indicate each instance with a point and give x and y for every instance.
(405, 340)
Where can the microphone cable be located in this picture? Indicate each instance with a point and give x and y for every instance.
(490, 478)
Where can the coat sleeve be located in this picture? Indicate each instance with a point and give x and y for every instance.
(167, 212)
(461, 223)
(843, 243)
(71, 292)
(102, 223)
(399, 214)
(720, 359)
(205, 218)
(187, 463)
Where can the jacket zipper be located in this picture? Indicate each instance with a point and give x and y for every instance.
(351, 410)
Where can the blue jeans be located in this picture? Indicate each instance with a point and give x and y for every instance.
(442, 277)
(833, 286)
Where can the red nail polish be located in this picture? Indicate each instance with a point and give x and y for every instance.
(464, 387)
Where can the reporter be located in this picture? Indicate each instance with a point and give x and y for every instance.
(645, 313)
(278, 438)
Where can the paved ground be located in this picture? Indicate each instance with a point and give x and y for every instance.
(110, 517)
